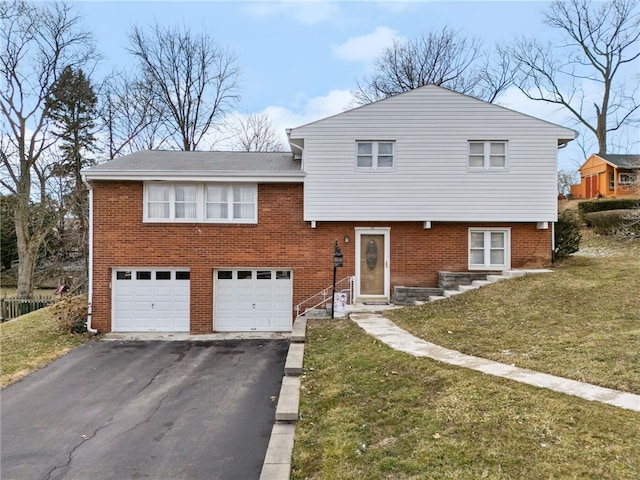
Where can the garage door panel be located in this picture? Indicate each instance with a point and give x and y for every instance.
(167, 291)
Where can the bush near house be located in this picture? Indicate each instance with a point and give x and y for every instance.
(70, 314)
(567, 234)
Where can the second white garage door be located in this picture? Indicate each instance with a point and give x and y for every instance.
(252, 300)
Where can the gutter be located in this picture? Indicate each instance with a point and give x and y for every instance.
(293, 145)
(196, 176)
(90, 272)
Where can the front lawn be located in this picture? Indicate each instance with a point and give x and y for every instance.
(582, 321)
(369, 412)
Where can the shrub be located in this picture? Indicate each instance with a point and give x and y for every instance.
(618, 223)
(70, 313)
(602, 205)
(567, 234)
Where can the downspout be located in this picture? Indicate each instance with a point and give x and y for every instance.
(553, 242)
(553, 224)
(90, 273)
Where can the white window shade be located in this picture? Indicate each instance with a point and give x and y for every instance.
(158, 201)
(200, 202)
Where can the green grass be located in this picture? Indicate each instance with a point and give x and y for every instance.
(369, 412)
(582, 321)
(30, 342)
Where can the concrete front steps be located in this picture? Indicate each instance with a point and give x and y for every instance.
(507, 274)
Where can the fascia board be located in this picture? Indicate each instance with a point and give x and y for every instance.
(196, 176)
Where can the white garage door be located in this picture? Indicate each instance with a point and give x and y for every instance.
(252, 300)
(151, 300)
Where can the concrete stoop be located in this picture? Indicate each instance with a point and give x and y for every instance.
(506, 275)
(277, 461)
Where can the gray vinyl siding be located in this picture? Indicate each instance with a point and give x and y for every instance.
(431, 180)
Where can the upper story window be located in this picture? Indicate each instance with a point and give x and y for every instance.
(375, 155)
(230, 203)
(200, 202)
(489, 249)
(487, 155)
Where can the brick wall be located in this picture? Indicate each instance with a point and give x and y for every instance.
(281, 239)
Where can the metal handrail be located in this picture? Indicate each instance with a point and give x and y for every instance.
(326, 295)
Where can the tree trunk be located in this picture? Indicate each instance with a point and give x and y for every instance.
(27, 255)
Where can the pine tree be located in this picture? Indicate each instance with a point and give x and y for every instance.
(72, 108)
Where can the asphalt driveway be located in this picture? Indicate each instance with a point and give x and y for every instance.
(145, 410)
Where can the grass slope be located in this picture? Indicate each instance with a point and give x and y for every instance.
(369, 412)
(582, 321)
(30, 342)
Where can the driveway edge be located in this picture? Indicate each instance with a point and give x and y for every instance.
(277, 461)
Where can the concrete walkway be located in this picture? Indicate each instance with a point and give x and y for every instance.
(389, 333)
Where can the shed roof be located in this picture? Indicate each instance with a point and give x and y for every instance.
(622, 161)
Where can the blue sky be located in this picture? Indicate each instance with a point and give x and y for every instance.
(300, 60)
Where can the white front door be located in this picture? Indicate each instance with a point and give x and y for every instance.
(150, 300)
(258, 300)
(372, 263)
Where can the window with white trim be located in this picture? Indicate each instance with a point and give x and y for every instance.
(488, 155)
(375, 155)
(627, 179)
(200, 202)
(230, 203)
(489, 249)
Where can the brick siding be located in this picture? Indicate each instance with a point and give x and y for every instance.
(281, 239)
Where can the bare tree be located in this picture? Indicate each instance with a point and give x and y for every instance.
(566, 178)
(129, 117)
(600, 39)
(190, 80)
(37, 42)
(444, 58)
(254, 133)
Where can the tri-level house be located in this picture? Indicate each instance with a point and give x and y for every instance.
(426, 181)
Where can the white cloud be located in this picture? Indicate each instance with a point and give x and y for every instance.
(307, 12)
(365, 48)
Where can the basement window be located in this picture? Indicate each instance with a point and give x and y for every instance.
(489, 249)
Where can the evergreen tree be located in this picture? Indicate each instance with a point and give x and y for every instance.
(72, 107)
